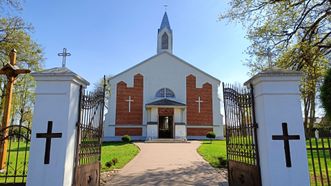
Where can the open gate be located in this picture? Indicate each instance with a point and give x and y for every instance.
(89, 138)
(241, 137)
(16, 140)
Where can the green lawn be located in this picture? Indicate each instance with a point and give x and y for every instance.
(124, 152)
(211, 152)
(17, 164)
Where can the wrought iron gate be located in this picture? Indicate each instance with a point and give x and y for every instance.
(241, 138)
(16, 138)
(89, 138)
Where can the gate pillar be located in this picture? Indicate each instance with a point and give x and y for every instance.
(53, 139)
(281, 138)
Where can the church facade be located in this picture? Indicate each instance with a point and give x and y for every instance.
(177, 100)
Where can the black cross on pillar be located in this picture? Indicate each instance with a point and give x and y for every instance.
(285, 137)
(49, 135)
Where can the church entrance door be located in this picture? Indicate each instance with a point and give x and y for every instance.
(166, 126)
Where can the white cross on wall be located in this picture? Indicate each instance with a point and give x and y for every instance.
(199, 101)
(129, 100)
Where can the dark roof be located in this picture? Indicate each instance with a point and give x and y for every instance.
(165, 22)
(166, 102)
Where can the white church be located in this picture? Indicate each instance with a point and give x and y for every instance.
(176, 101)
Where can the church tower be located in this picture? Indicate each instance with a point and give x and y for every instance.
(164, 36)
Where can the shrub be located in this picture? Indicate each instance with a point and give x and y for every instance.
(211, 135)
(222, 162)
(126, 138)
(114, 160)
(108, 164)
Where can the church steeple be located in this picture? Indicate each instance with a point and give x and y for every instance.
(164, 37)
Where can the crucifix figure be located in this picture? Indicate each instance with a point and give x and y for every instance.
(199, 101)
(129, 100)
(285, 137)
(49, 135)
(64, 55)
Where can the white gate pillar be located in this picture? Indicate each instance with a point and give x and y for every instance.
(51, 162)
(277, 101)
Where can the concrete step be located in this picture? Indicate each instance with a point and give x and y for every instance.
(166, 140)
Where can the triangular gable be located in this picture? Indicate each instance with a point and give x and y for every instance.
(165, 52)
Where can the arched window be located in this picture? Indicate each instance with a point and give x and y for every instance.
(165, 41)
(165, 93)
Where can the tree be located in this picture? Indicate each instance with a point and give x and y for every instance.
(14, 34)
(275, 25)
(291, 34)
(100, 85)
(326, 94)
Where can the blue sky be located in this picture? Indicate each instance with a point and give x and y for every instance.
(109, 36)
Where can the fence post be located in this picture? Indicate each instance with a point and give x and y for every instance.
(281, 138)
(52, 149)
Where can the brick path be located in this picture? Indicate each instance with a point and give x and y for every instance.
(168, 164)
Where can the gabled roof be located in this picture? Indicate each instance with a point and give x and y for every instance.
(165, 22)
(165, 52)
(165, 102)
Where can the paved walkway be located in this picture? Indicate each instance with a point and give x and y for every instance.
(168, 164)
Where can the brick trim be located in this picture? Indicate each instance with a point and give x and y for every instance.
(123, 116)
(198, 131)
(205, 117)
(128, 131)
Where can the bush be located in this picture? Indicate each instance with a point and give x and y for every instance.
(114, 160)
(126, 138)
(211, 135)
(222, 162)
(108, 164)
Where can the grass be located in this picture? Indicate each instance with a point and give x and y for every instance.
(211, 152)
(124, 152)
(17, 155)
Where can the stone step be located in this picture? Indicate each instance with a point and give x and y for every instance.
(166, 140)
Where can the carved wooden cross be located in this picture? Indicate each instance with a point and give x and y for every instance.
(129, 100)
(49, 135)
(199, 101)
(285, 137)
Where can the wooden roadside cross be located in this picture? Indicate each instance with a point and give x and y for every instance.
(11, 71)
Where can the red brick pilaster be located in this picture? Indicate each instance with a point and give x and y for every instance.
(135, 116)
(205, 117)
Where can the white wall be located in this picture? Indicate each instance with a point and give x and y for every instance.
(163, 70)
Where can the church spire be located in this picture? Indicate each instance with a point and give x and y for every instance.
(164, 37)
(165, 22)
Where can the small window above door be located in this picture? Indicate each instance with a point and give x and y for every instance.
(165, 93)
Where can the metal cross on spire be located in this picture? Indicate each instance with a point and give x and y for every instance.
(64, 55)
(165, 7)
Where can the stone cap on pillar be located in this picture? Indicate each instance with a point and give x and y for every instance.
(60, 74)
(275, 74)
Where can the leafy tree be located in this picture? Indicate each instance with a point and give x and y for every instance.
(15, 34)
(326, 94)
(292, 34)
(101, 83)
(275, 25)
